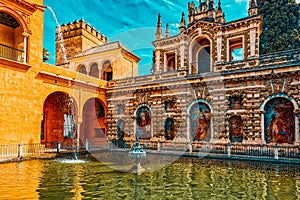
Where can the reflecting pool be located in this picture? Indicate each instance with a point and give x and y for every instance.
(183, 178)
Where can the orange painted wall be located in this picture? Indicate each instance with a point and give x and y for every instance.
(6, 35)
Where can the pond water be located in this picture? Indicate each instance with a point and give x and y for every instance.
(182, 178)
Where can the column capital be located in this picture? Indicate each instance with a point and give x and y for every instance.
(25, 34)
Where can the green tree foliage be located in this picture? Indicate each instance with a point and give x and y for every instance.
(281, 25)
(46, 55)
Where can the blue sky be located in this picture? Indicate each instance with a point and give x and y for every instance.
(133, 22)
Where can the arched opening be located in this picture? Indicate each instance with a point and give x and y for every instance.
(204, 60)
(169, 129)
(93, 122)
(279, 121)
(143, 123)
(236, 129)
(107, 73)
(200, 115)
(94, 71)
(82, 69)
(59, 121)
(201, 56)
(12, 42)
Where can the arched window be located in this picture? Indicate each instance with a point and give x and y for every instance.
(107, 73)
(82, 69)
(201, 56)
(12, 45)
(94, 71)
(204, 60)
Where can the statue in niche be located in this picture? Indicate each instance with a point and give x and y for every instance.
(169, 129)
(279, 118)
(120, 129)
(200, 122)
(119, 141)
(143, 121)
(236, 129)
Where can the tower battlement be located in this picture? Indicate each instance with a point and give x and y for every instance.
(76, 37)
(78, 27)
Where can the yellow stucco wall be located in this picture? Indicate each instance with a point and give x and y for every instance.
(23, 92)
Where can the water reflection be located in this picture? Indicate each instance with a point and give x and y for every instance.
(20, 180)
(184, 179)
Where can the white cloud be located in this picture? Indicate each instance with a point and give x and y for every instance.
(240, 1)
(297, 1)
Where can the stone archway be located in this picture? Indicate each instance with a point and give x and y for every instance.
(93, 125)
(59, 121)
(279, 121)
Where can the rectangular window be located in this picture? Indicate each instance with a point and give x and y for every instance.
(69, 126)
(235, 49)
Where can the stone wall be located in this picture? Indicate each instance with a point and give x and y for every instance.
(237, 100)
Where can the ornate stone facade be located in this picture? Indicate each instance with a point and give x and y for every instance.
(208, 83)
(215, 97)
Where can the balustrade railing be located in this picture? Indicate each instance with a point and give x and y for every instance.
(234, 150)
(20, 150)
(11, 53)
(265, 151)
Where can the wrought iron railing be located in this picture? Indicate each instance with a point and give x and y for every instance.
(11, 53)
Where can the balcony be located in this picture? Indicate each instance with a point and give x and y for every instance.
(11, 53)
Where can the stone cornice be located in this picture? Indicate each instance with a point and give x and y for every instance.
(13, 64)
(239, 23)
(67, 81)
(24, 5)
(170, 40)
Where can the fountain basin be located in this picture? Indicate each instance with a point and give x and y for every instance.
(137, 153)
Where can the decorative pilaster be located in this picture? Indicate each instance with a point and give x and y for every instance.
(26, 35)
